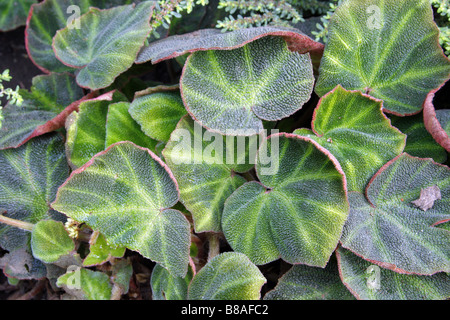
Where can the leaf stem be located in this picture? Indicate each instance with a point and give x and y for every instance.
(27, 226)
(214, 245)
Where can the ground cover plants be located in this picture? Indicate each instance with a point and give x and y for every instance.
(176, 150)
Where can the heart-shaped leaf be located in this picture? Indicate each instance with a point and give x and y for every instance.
(205, 165)
(44, 109)
(50, 241)
(437, 122)
(388, 49)
(165, 286)
(215, 39)
(158, 113)
(86, 284)
(46, 18)
(228, 276)
(362, 142)
(419, 143)
(29, 178)
(125, 193)
(235, 90)
(297, 211)
(100, 252)
(14, 13)
(115, 37)
(390, 231)
(309, 283)
(370, 282)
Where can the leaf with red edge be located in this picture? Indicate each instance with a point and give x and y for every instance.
(45, 108)
(13, 13)
(369, 282)
(106, 44)
(437, 122)
(215, 39)
(126, 193)
(387, 229)
(46, 18)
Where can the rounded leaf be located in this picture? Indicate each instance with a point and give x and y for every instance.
(391, 231)
(124, 192)
(228, 276)
(50, 241)
(437, 122)
(14, 13)
(158, 113)
(388, 49)
(353, 128)
(106, 44)
(297, 212)
(234, 90)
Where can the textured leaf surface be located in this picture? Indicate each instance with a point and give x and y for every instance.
(228, 276)
(46, 18)
(419, 143)
(215, 39)
(390, 231)
(29, 178)
(437, 122)
(392, 54)
(86, 284)
(353, 128)
(120, 126)
(114, 35)
(168, 287)
(100, 252)
(14, 13)
(205, 175)
(356, 275)
(297, 212)
(50, 241)
(158, 114)
(99, 123)
(45, 108)
(309, 283)
(124, 193)
(235, 90)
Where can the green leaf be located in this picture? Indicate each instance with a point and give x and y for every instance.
(353, 128)
(370, 282)
(122, 271)
(86, 284)
(228, 276)
(233, 91)
(125, 193)
(215, 39)
(46, 18)
(44, 109)
(206, 175)
(99, 123)
(298, 210)
(390, 231)
(29, 178)
(120, 126)
(106, 44)
(437, 122)
(309, 283)
(14, 13)
(419, 143)
(388, 49)
(50, 241)
(100, 251)
(165, 286)
(158, 113)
